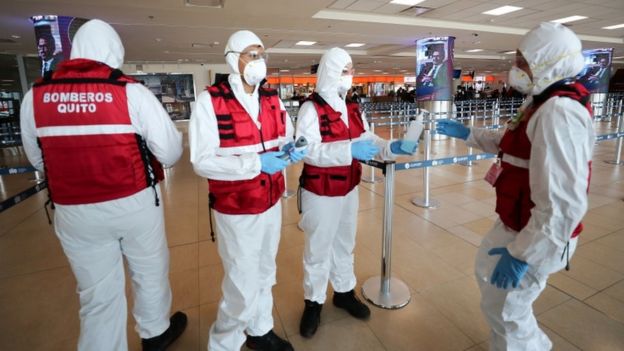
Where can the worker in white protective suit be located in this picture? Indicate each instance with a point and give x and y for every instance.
(235, 134)
(101, 138)
(338, 138)
(541, 184)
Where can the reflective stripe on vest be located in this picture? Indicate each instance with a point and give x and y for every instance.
(339, 180)
(239, 134)
(90, 150)
(513, 191)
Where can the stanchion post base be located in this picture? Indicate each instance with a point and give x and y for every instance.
(288, 194)
(377, 179)
(398, 296)
(421, 203)
(615, 162)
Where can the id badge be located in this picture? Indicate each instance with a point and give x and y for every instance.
(493, 173)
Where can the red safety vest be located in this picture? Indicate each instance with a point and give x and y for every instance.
(90, 150)
(338, 180)
(513, 192)
(239, 134)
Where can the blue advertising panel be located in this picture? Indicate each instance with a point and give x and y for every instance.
(53, 35)
(597, 72)
(434, 69)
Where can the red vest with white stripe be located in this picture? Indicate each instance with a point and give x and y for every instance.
(239, 134)
(90, 150)
(513, 192)
(338, 180)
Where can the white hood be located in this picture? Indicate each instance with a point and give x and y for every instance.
(327, 77)
(553, 53)
(329, 71)
(238, 42)
(97, 40)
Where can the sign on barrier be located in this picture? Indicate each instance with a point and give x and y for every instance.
(609, 136)
(8, 203)
(16, 170)
(442, 161)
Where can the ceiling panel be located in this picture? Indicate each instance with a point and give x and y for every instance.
(342, 4)
(281, 23)
(366, 5)
(391, 9)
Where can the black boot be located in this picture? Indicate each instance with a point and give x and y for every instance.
(350, 302)
(310, 319)
(268, 342)
(177, 324)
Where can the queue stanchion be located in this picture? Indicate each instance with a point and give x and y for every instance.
(287, 193)
(618, 144)
(391, 117)
(372, 179)
(426, 202)
(385, 291)
(38, 177)
(469, 163)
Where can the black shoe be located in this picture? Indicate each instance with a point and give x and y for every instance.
(268, 342)
(177, 324)
(350, 302)
(310, 319)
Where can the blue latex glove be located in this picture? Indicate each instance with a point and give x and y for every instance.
(398, 147)
(508, 270)
(292, 154)
(296, 156)
(271, 163)
(452, 128)
(364, 150)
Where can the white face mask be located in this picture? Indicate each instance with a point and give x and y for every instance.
(255, 71)
(519, 80)
(344, 84)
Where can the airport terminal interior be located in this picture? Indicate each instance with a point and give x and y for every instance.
(431, 209)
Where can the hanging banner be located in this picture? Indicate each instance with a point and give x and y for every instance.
(597, 72)
(434, 69)
(54, 35)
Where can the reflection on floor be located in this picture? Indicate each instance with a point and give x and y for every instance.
(582, 309)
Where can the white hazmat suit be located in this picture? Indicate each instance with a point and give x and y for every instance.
(95, 237)
(562, 139)
(247, 244)
(330, 223)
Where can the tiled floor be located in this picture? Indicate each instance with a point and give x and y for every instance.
(433, 253)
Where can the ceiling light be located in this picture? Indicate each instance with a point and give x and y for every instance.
(569, 19)
(502, 10)
(284, 70)
(355, 45)
(205, 3)
(376, 70)
(406, 2)
(509, 52)
(305, 43)
(617, 26)
(474, 50)
(15, 36)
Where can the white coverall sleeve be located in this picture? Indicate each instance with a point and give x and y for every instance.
(154, 124)
(562, 138)
(383, 144)
(29, 132)
(204, 143)
(319, 154)
(487, 140)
